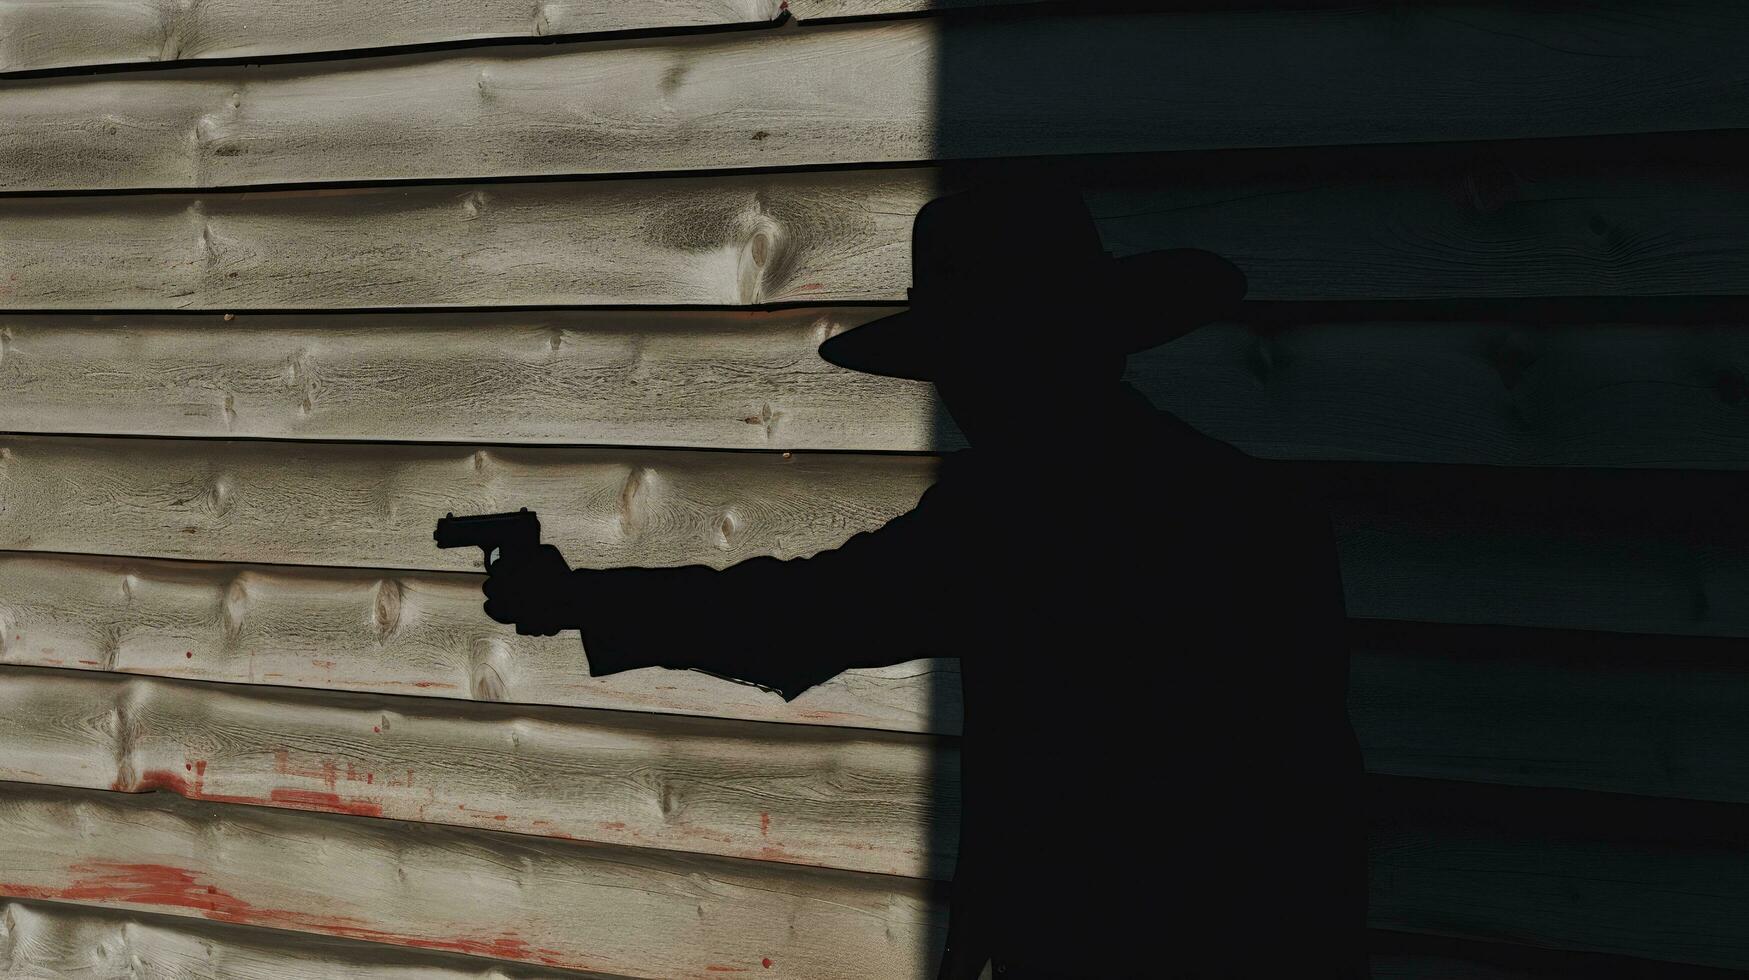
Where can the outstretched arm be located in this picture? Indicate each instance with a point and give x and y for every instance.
(785, 625)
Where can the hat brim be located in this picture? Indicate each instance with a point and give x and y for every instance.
(1145, 300)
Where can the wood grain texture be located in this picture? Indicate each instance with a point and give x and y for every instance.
(1652, 715)
(1406, 956)
(53, 941)
(1654, 879)
(1294, 384)
(1602, 218)
(722, 241)
(1630, 550)
(726, 380)
(824, 797)
(1633, 876)
(827, 10)
(397, 633)
(1519, 393)
(376, 505)
(902, 90)
(1660, 551)
(631, 911)
(35, 34)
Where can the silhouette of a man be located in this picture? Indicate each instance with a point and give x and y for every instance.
(1158, 774)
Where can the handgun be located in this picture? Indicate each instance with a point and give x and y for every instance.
(494, 534)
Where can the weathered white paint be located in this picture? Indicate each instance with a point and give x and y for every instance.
(53, 941)
(828, 797)
(38, 34)
(359, 629)
(900, 90)
(640, 912)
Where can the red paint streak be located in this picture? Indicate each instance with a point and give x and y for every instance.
(328, 773)
(500, 816)
(323, 663)
(806, 287)
(766, 962)
(370, 777)
(156, 779)
(166, 886)
(432, 684)
(92, 663)
(612, 825)
(764, 823)
(306, 800)
(143, 884)
(175, 782)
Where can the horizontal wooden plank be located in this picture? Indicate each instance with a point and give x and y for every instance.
(1292, 382)
(1653, 715)
(1627, 550)
(827, 10)
(1406, 956)
(1296, 384)
(617, 910)
(325, 628)
(1621, 217)
(728, 380)
(889, 91)
(36, 36)
(722, 241)
(826, 797)
(376, 505)
(1632, 876)
(1654, 879)
(397, 633)
(52, 940)
(1660, 551)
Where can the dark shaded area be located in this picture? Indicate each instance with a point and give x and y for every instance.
(1700, 508)
(1624, 874)
(1413, 956)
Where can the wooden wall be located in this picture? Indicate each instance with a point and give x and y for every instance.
(280, 284)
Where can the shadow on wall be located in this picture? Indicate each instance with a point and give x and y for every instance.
(1066, 714)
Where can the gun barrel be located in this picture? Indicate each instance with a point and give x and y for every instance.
(519, 527)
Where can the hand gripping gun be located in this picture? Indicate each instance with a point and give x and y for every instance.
(516, 533)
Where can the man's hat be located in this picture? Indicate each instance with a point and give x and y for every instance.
(996, 251)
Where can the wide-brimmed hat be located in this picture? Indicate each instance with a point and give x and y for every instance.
(1006, 248)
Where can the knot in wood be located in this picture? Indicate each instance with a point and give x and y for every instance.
(727, 526)
(223, 494)
(236, 598)
(761, 255)
(472, 203)
(386, 609)
(488, 658)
